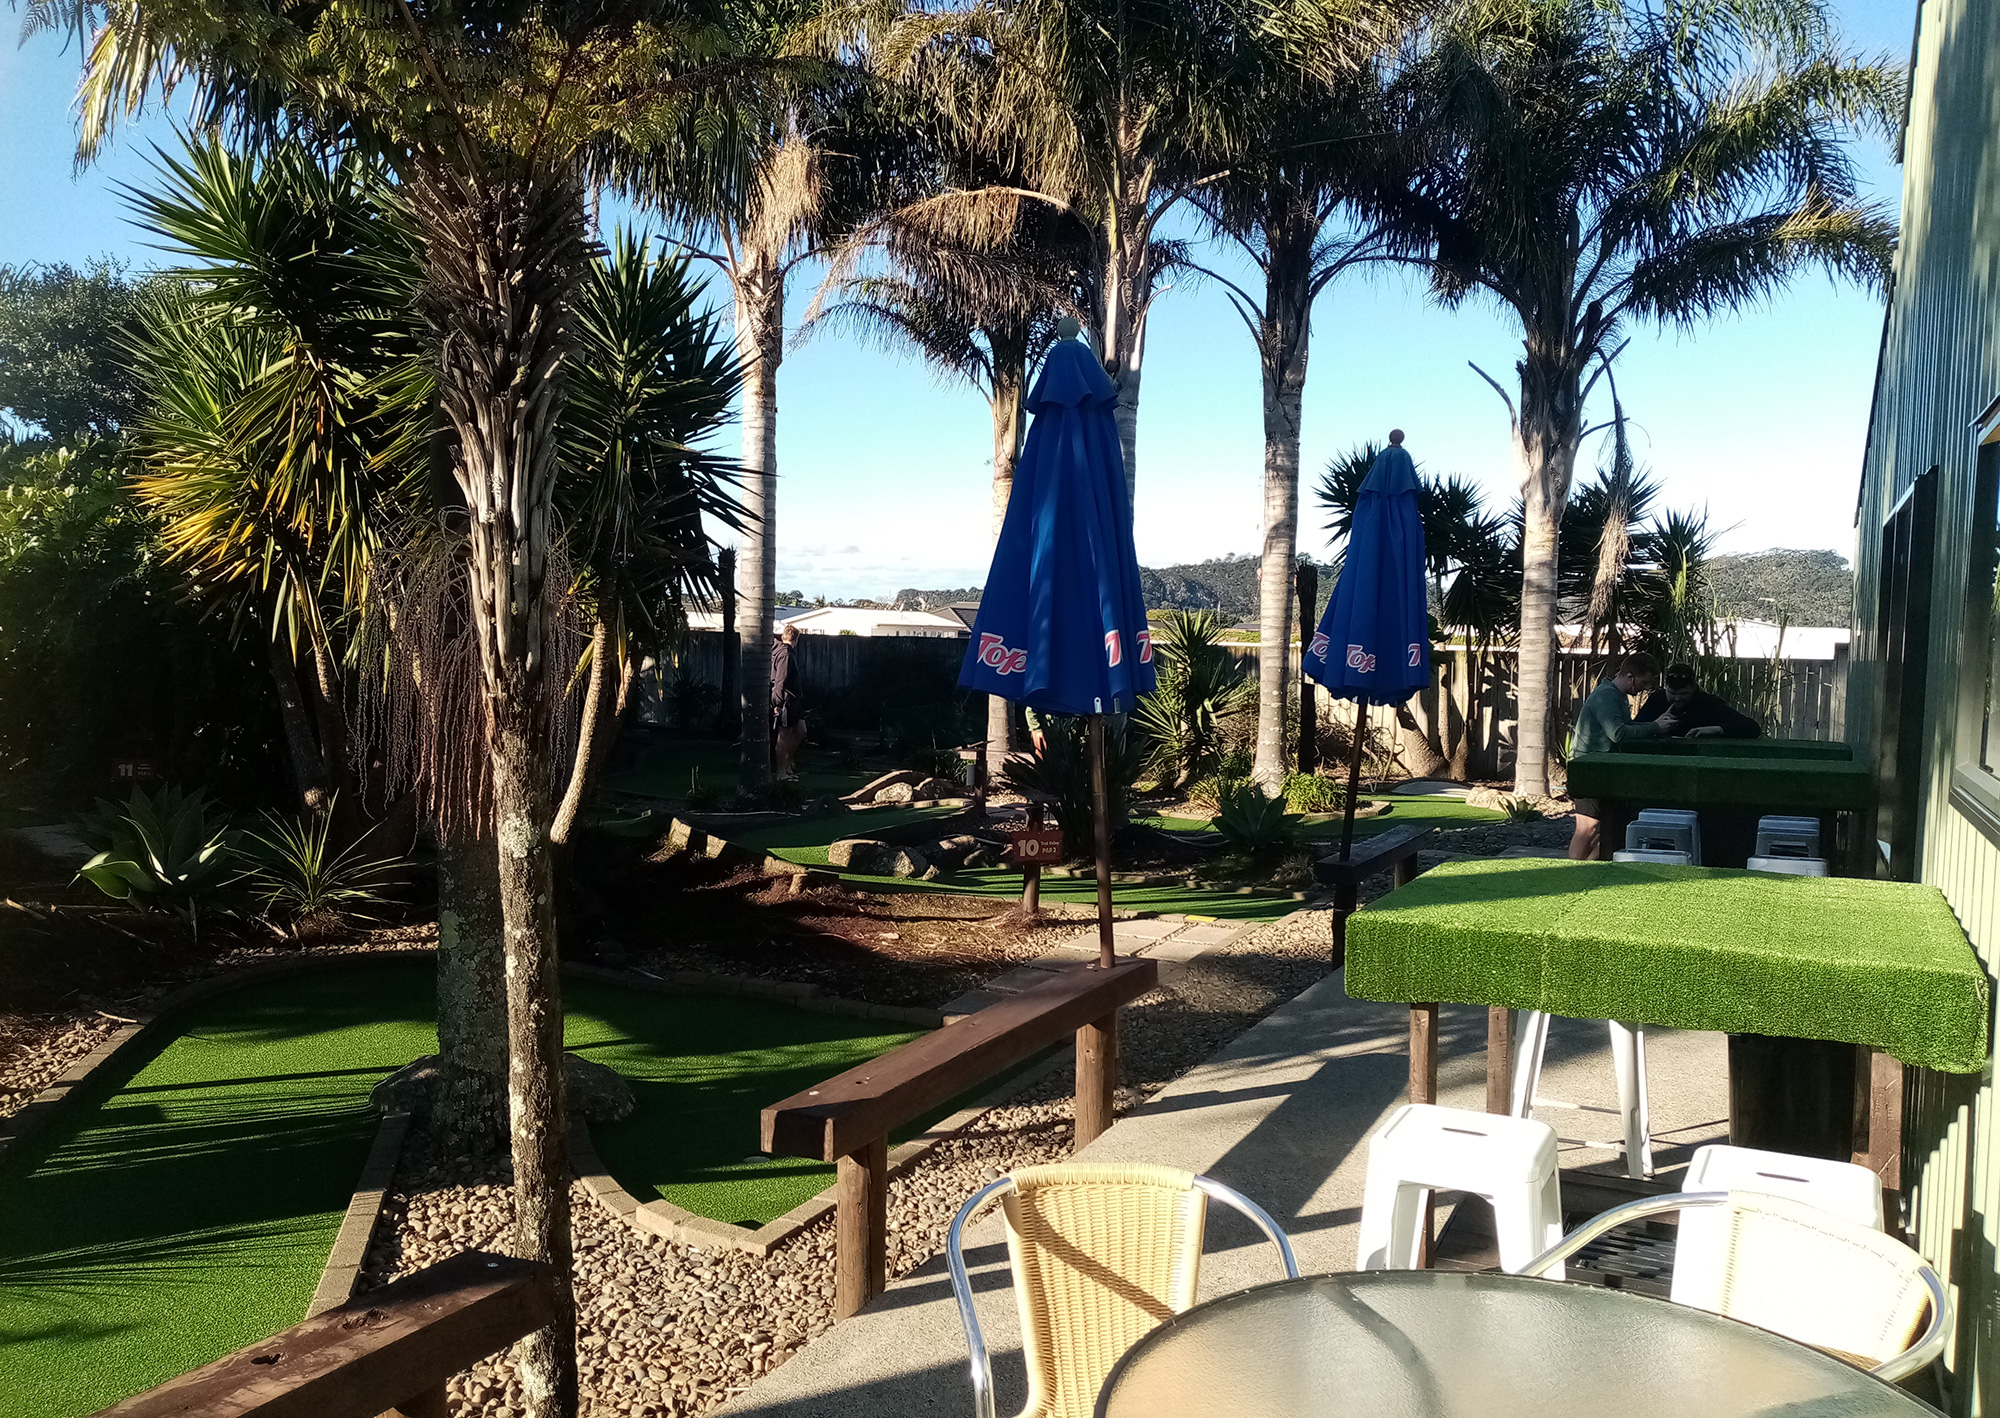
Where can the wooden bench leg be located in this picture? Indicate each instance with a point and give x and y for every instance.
(1423, 1053)
(861, 1223)
(1499, 1060)
(1878, 1115)
(1344, 898)
(1405, 871)
(1096, 1077)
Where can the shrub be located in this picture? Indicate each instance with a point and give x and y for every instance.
(161, 850)
(935, 762)
(1308, 792)
(702, 797)
(1252, 822)
(787, 795)
(1061, 772)
(692, 702)
(301, 881)
(1202, 687)
(1523, 810)
(1209, 792)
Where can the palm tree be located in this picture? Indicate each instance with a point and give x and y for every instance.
(981, 314)
(1593, 166)
(495, 131)
(1310, 151)
(637, 482)
(1117, 111)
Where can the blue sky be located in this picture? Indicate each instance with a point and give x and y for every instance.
(884, 473)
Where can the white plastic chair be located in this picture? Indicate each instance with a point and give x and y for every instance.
(1657, 859)
(1666, 829)
(1789, 866)
(1628, 1067)
(1100, 1253)
(1787, 836)
(1424, 1148)
(1807, 1274)
(1701, 1249)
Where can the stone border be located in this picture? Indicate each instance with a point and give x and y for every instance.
(364, 1209)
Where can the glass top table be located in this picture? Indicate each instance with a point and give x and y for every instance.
(1436, 1344)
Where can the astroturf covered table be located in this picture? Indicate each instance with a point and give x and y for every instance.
(1807, 785)
(1712, 747)
(1878, 963)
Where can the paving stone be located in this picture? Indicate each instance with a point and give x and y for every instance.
(1070, 952)
(1024, 977)
(1208, 937)
(1147, 930)
(971, 1002)
(1178, 950)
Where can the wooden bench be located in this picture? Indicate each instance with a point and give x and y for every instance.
(847, 1120)
(1395, 850)
(389, 1352)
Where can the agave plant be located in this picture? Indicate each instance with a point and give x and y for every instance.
(303, 879)
(1253, 822)
(160, 850)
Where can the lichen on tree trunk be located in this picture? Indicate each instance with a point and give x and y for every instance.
(468, 1109)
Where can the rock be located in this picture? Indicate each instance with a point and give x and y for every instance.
(897, 793)
(596, 1090)
(940, 788)
(862, 854)
(906, 861)
(811, 880)
(866, 793)
(931, 873)
(1488, 798)
(952, 851)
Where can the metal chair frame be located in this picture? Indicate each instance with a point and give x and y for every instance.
(1923, 1350)
(961, 1281)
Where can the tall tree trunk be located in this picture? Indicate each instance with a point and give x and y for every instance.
(1547, 432)
(469, 1106)
(501, 258)
(1010, 374)
(1283, 341)
(1125, 279)
(590, 735)
(308, 764)
(760, 346)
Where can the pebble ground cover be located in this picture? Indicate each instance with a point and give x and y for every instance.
(187, 1208)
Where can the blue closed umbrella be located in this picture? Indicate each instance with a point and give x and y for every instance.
(1374, 642)
(1061, 624)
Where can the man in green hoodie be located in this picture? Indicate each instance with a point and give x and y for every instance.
(1606, 719)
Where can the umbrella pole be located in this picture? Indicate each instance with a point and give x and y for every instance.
(1100, 800)
(1353, 776)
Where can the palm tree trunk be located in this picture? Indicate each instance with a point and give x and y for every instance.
(469, 1106)
(1545, 442)
(308, 765)
(590, 736)
(501, 258)
(1009, 376)
(1283, 340)
(760, 346)
(1124, 282)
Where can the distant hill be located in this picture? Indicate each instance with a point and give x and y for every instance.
(1806, 587)
(1226, 585)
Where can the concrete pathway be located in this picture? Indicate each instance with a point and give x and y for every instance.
(1281, 1114)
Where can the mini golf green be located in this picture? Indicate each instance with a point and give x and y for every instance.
(1424, 811)
(187, 1206)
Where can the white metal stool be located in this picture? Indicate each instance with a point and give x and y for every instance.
(1424, 1148)
(1658, 859)
(1701, 1257)
(1628, 1065)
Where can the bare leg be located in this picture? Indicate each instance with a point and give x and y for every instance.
(1583, 843)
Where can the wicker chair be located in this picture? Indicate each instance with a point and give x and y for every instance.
(1101, 1253)
(1805, 1273)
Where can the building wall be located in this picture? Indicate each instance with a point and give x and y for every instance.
(1940, 368)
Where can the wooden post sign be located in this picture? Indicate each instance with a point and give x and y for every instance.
(1035, 846)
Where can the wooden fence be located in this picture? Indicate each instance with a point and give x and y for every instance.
(869, 682)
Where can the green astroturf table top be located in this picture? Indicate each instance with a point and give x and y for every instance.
(1829, 749)
(1865, 962)
(1703, 780)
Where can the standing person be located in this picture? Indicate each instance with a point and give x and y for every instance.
(1606, 719)
(1701, 715)
(788, 723)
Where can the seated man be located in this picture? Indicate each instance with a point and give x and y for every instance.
(1698, 713)
(1605, 719)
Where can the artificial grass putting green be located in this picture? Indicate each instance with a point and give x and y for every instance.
(1832, 749)
(1403, 812)
(186, 1207)
(664, 769)
(191, 1211)
(1701, 780)
(1865, 962)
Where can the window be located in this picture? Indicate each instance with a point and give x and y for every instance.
(1975, 789)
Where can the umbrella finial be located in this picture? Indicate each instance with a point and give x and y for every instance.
(1068, 328)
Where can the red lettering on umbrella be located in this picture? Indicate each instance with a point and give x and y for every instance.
(998, 658)
(1113, 654)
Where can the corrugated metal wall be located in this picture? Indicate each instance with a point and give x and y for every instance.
(1938, 372)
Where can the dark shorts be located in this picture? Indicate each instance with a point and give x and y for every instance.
(1588, 807)
(784, 713)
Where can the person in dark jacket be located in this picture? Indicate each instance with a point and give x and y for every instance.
(1686, 710)
(788, 723)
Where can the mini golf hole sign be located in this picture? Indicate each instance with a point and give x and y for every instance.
(1035, 847)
